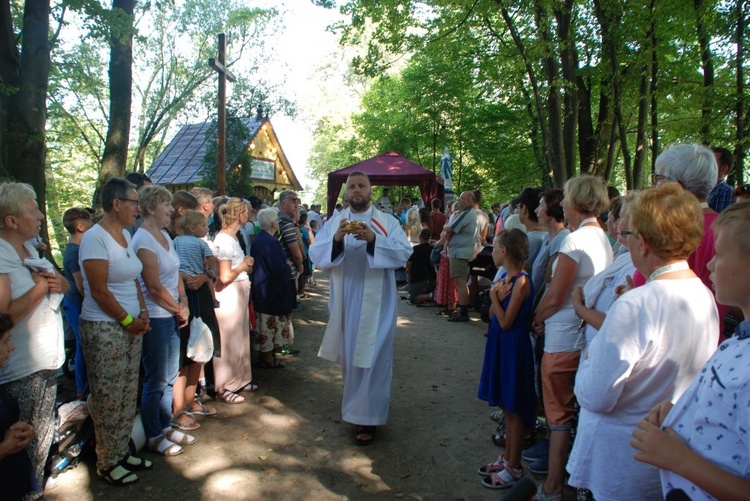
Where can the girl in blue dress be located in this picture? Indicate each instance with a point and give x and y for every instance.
(508, 371)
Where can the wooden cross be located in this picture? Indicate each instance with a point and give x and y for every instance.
(219, 65)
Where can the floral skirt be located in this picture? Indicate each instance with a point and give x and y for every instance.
(445, 290)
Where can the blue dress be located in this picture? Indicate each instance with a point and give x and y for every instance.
(507, 379)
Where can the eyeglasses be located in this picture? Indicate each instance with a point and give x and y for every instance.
(134, 200)
(655, 178)
(625, 233)
(292, 199)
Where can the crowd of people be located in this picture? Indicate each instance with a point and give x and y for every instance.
(135, 280)
(605, 313)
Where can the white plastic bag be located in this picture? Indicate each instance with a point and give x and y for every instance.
(201, 344)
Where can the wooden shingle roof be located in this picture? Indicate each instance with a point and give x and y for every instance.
(181, 161)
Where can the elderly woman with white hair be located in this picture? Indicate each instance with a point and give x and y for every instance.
(694, 167)
(32, 300)
(272, 297)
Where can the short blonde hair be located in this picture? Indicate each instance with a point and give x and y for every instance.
(736, 218)
(151, 195)
(230, 211)
(587, 194)
(669, 218)
(191, 219)
(12, 198)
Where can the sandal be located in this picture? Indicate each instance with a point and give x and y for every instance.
(118, 475)
(491, 468)
(503, 479)
(543, 496)
(180, 438)
(229, 397)
(250, 387)
(369, 435)
(162, 445)
(133, 463)
(187, 423)
(272, 364)
(203, 410)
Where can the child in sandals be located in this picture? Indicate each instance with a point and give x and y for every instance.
(508, 370)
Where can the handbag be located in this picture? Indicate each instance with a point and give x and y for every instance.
(200, 346)
(485, 305)
(435, 254)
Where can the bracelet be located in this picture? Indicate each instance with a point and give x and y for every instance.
(576, 309)
(126, 321)
(122, 316)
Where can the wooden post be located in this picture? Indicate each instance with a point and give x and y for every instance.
(219, 65)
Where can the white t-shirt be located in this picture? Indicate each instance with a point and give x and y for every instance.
(654, 341)
(38, 335)
(589, 247)
(123, 269)
(169, 270)
(227, 248)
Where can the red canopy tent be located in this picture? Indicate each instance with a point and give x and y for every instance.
(388, 169)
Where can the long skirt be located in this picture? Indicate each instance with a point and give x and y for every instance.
(232, 369)
(445, 289)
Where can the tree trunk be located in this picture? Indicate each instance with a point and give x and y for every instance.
(655, 138)
(569, 66)
(115, 155)
(641, 138)
(541, 116)
(708, 72)
(9, 75)
(739, 152)
(609, 21)
(26, 109)
(556, 143)
(587, 150)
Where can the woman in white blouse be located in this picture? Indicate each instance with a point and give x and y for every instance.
(232, 372)
(654, 340)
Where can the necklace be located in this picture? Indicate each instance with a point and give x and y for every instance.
(678, 266)
(108, 230)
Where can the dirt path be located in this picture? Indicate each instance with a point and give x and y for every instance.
(287, 440)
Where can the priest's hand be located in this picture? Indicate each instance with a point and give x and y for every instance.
(365, 234)
(342, 231)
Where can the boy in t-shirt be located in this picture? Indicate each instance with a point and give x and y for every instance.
(77, 221)
(701, 443)
(420, 273)
(195, 254)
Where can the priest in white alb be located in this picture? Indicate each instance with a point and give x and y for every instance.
(363, 303)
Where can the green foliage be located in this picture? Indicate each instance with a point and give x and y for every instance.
(238, 166)
(478, 76)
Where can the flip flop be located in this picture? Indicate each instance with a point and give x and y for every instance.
(365, 430)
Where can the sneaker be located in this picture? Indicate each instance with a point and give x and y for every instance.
(540, 466)
(457, 317)
(536, 451)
